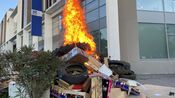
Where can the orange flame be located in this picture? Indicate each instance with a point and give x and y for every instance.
(75, 26)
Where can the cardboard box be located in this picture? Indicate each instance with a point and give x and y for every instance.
(71, 92)
(117, 93)
(76, 55)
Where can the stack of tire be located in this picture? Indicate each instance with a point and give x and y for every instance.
(122, 68)
(73, 73)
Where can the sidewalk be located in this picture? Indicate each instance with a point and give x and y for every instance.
(157, 86)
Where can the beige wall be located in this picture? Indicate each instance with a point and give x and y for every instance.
(129, 43)
(3, 30)
(19, 15)
(11, 28)
(0, 34)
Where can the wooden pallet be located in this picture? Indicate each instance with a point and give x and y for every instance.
(96, 87)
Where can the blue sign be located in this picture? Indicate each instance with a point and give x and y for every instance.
(36, 23)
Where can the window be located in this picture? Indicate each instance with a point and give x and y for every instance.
(100, 38)
(88, 1)
(91, 6)
(103, 42)
(152, 39)
(102, 11)
(50, 3)
(93, 26)
(159, 35)
(96, 22)
(171, 39)
(102, 2)
(96, 35)
(57, 30)
(152, 5)
(46, 4)
(169, 5)
(103, 22)
(92, 16)
(171, 29)
(21, 40)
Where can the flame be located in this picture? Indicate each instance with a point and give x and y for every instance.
(96, 56)
(75, 26)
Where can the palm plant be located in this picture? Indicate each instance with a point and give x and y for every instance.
(36, 69)
(2, 65)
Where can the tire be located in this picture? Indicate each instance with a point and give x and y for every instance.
(130, 75)
(120, 70)
(65, 49)
(73, 74)
(119, 63)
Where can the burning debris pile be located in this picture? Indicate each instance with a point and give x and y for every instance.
(75, 26)
(84, 76)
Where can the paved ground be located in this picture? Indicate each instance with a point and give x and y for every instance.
(157, 86)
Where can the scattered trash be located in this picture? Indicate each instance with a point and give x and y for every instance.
(125, 87)
(157, 94)
(171, 93)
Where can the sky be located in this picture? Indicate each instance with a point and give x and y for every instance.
(5, 5)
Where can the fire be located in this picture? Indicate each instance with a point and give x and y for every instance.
(75, 26)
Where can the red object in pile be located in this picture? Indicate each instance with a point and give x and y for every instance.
(78, 87)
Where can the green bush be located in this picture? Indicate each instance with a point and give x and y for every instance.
(36, 69)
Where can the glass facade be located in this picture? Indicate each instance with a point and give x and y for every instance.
(156, 5)
(171, 39)
(57, 30)
(96, 22)
(152, 41)
(156, 39)
(48, 3)
(150, 5)
(95, 12)
(169, 5)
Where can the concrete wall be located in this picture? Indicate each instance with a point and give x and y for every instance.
(11, 26)
(3, 29)
(147, 16)
(48, 33)
(113, 29)
(26, 36)
(18, 41)
(35, 42)
(19, 15)
(0, 35)
(129, 43)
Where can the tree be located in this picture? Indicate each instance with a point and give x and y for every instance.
(3, 65)
(36, 69)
